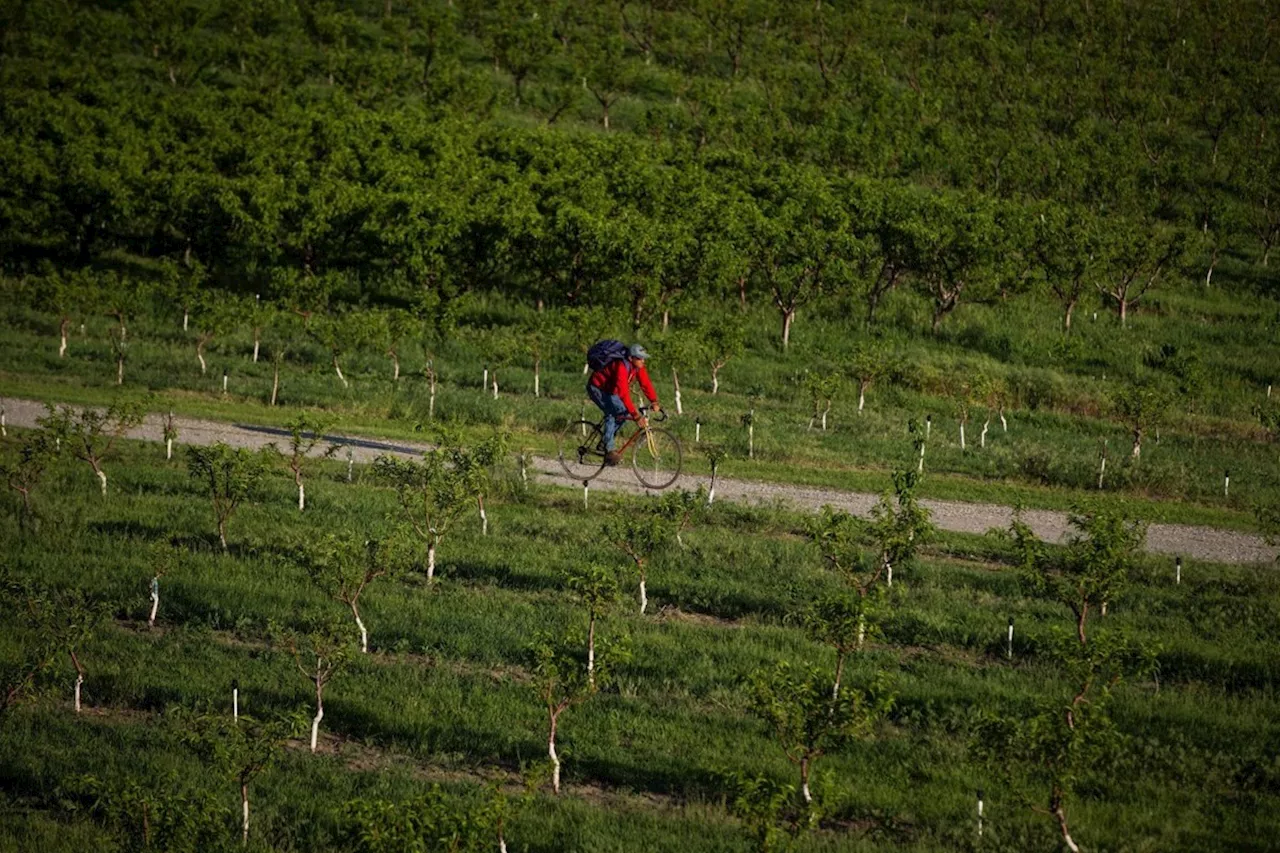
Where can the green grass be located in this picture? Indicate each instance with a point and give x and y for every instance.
(443, 696)
(1048, 458)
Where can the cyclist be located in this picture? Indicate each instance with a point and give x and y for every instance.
(610, 389)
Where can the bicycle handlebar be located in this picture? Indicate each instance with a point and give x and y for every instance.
(658, 418)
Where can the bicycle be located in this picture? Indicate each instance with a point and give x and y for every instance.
(655, 459)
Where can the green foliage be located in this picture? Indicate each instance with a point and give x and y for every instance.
(595, 586)
(1093, 569)
(165, 813)
(768, 808)
(900, 524)
(430, 822)
(435, 492)
(91, 434)
(230, 474)
(23, 465)
(807, 716)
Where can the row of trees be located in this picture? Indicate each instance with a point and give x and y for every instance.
(1081, 102)
(567, 221)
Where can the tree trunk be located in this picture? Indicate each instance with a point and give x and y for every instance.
(675, 379)
(257, 344)
(555, 759)
(982, 437)
(395, 367)
(364, 635)
(644, 598)
(302, 493)
(80, 680)
(155, 603)
(244, 808)
(962, 446)
(1060, 813)
(337, 369)
(315, 722)
(102, 476)
(120, 370)
(222, 534)
(591, 650)
(431, 559)
(788, 315)
(835, 689)
(1066, 317)
(862, 394)
(62, 331)
(168, 449)
(537, 377)
(804, 779)
(275, 383)
(825, 412)
(200, 355)
(715, 379)
(484, 519)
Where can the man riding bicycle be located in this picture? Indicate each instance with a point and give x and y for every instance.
(610, 388)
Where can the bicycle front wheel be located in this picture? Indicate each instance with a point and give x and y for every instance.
(580, 450)
(656, 460)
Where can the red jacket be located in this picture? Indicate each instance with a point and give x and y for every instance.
(616, 377)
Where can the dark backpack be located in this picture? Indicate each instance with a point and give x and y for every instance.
(606, 352)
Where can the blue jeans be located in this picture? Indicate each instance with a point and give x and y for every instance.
(613, 408)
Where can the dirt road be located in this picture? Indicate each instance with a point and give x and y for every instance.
(1193, 542)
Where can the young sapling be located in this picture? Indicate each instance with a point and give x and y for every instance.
(561, 680)
(305, 432)
(639, 534)
(809, 718)
(240, 748)
(320, 651)
(344, 566)
(170, 430)
(93, 433)
(230, 474)
(595, 587)
(22, 467)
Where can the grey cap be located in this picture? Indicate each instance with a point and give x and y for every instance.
(637, 351)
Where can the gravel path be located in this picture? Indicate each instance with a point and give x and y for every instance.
(1199, 543)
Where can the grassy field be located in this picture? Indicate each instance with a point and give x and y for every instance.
(444, 697)
(1058, 403)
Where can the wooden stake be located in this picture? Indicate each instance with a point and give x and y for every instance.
(586, 490)
(235, 700)
(1009, 648)
(1177, 571)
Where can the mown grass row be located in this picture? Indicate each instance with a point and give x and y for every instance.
(445, 690)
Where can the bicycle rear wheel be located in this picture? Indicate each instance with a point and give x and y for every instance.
(656, 461)
(579, 450)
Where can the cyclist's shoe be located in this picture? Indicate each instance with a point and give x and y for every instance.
(613, 457)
